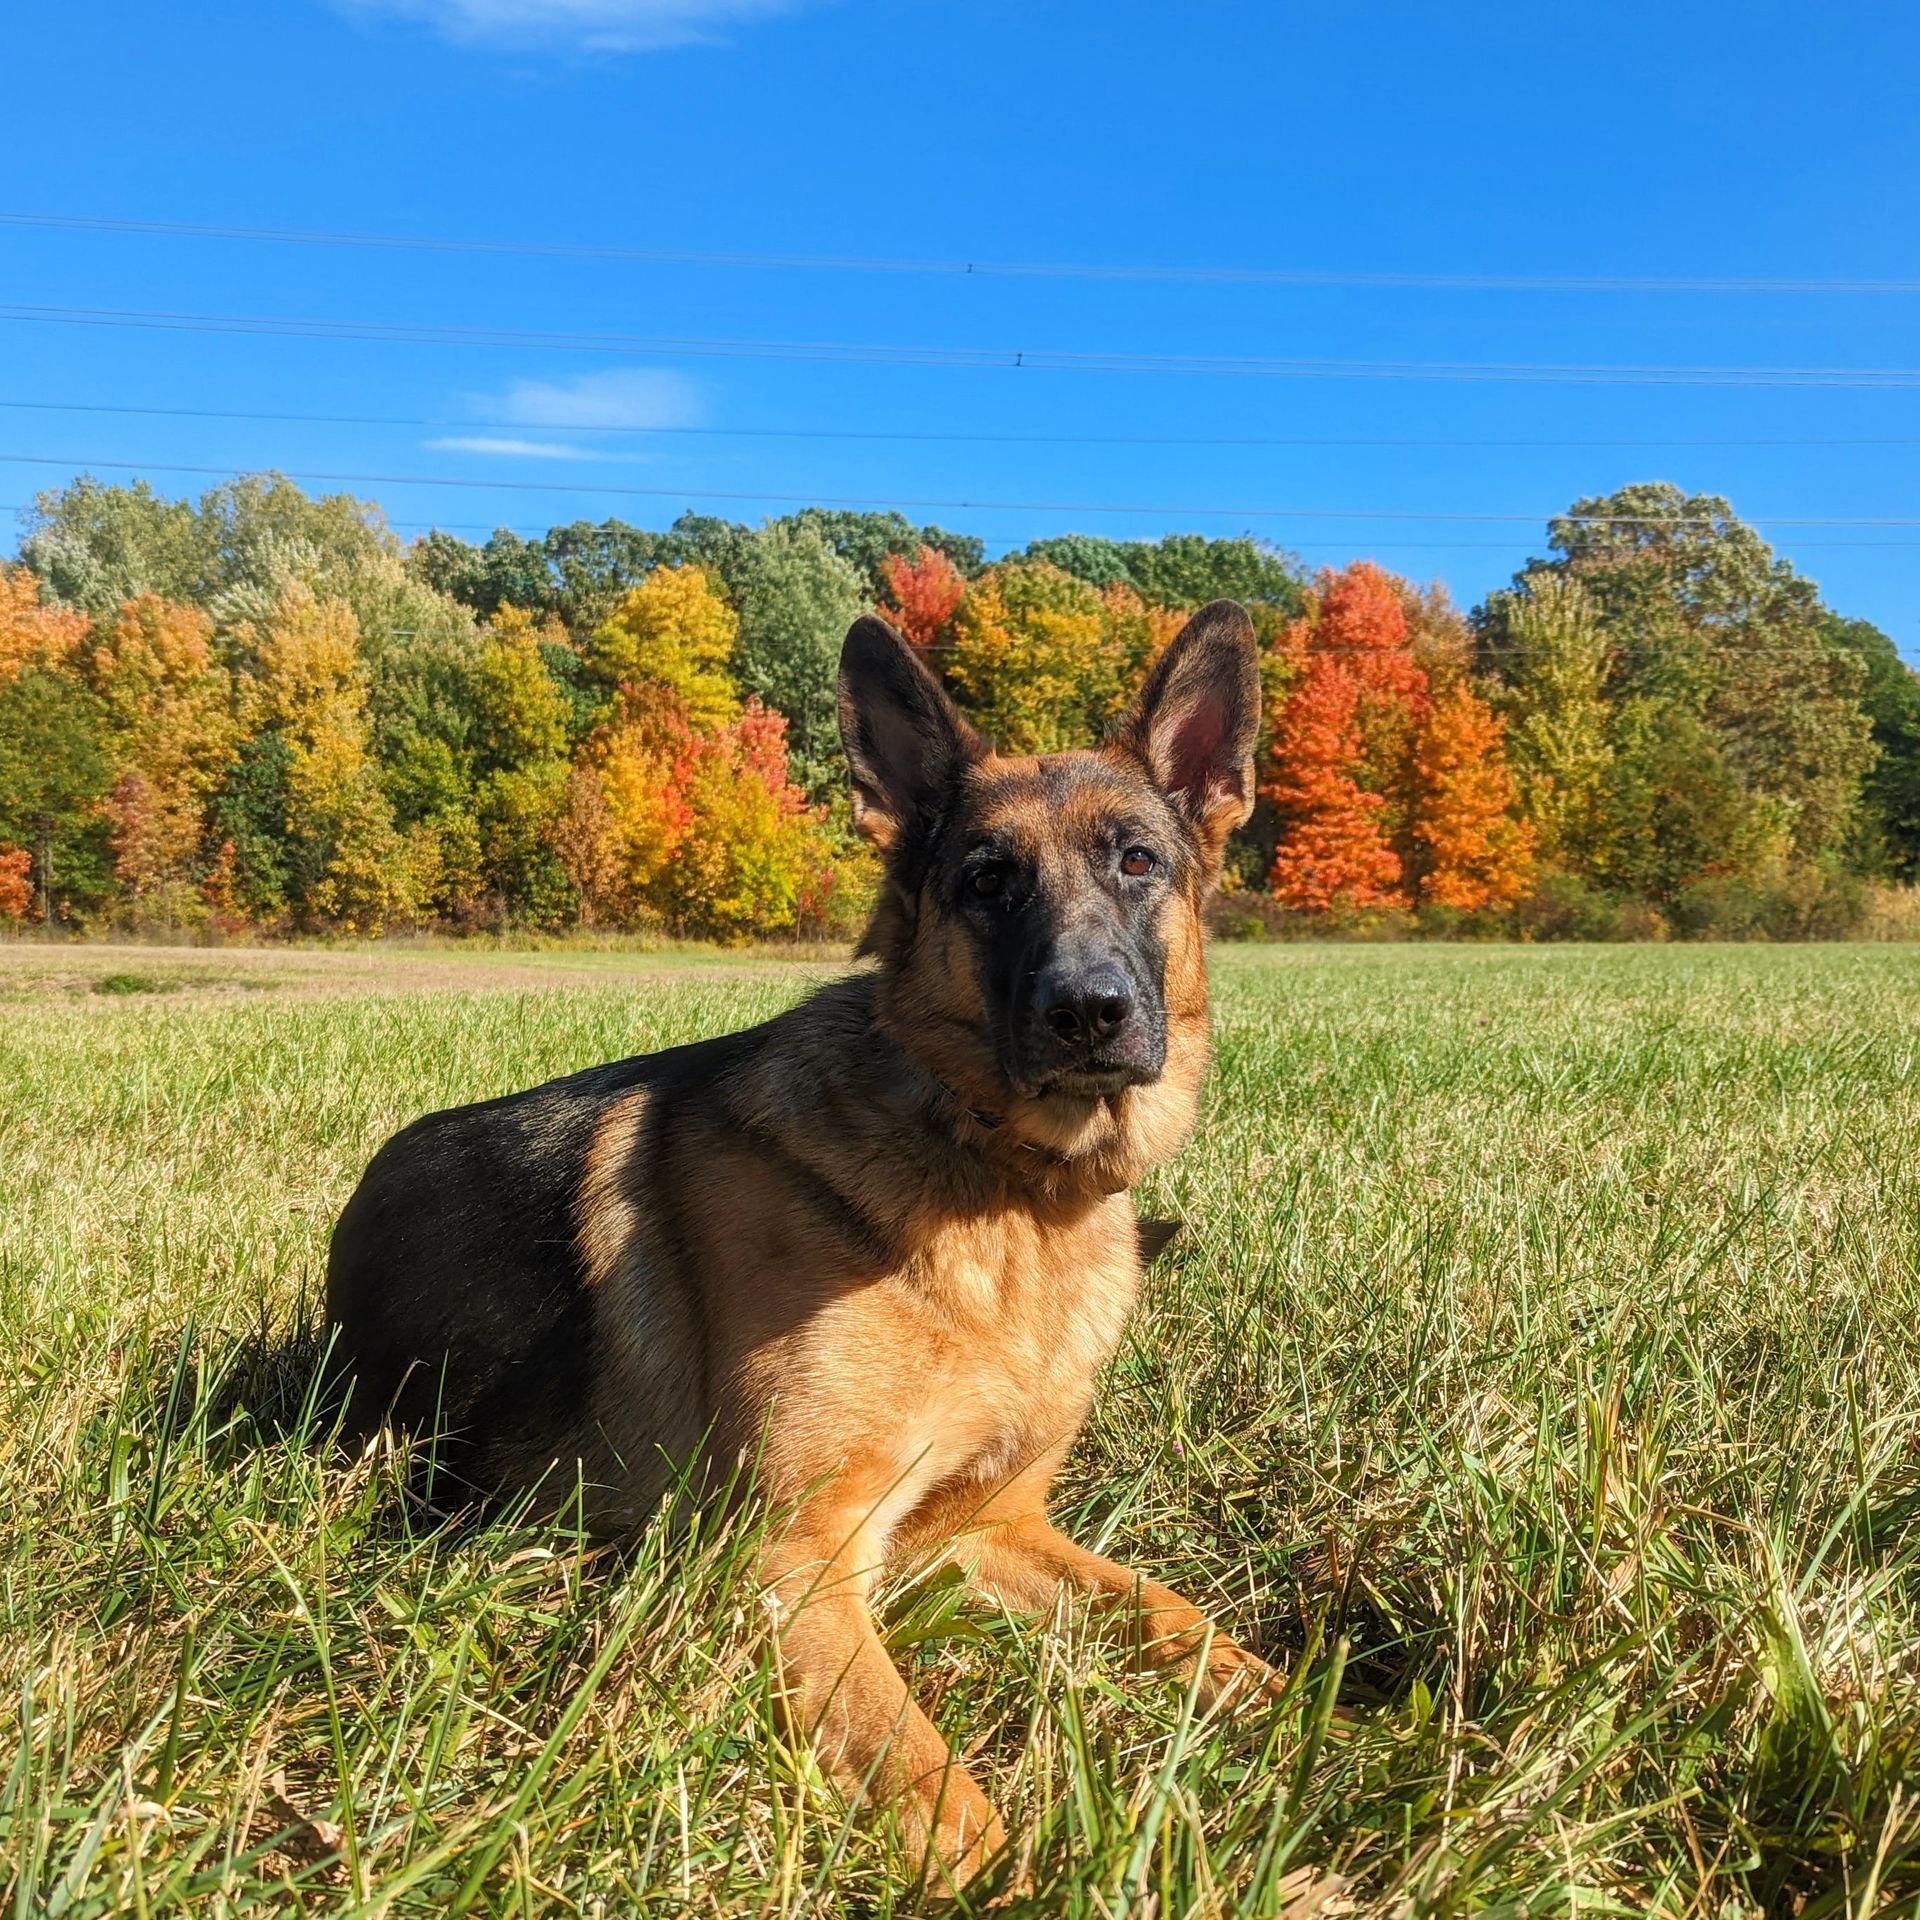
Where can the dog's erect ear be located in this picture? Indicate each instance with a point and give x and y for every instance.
(905, 739)
(1193, 723)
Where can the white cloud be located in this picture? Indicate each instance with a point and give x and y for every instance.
(587, 26)
(516, 449)
(618, 397)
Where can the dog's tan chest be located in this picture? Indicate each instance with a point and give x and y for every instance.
(966, 1368)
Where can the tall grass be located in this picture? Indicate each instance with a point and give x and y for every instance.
(1538, 1379)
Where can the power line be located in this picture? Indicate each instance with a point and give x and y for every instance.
(1000, 359)
(974, 269)
(956, 505)
(886, 501)
(939, 439)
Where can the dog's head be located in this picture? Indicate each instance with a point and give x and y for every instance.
(1039, 926)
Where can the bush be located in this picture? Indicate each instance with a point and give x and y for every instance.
(1787, 900)
(1462, 923)
(1565, 907)
(1890, 913)
(1254, 915)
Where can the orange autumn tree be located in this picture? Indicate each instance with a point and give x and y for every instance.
(924, 593)
(1388, 771)
(1478, 852)
(16, 883)
(32, 634)
(1343, 742)
(1332, 852)
(754, 856)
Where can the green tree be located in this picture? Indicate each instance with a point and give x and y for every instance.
(246, 526)
(518, 811)
(1705, 617)
(1189, 569)
(595, 568)
(54, 773)
(706, 541)
(96, 545)
(797, 597)
(506, 571)
(1101, 563)
(249, 814)
(1676, 812)
(1890, 696)
(865, 539)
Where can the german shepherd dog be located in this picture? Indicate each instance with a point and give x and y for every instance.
(879, 1247)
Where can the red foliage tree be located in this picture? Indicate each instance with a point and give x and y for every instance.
(926, 592)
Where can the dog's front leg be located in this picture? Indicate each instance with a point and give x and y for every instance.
(1027, 1562)
(848, 1696)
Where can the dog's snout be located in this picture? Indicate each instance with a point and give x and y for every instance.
(1091, 1023)
(1087, 1006)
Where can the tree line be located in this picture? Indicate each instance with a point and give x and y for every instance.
(262, 710)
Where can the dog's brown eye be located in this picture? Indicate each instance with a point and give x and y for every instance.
(1137, 862)
(989, 881)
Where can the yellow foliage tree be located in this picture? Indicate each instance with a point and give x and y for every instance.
(351, 865)
(674, 630)
(170, 727)
(1041, 661)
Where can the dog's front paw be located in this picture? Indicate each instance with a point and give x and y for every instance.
(1238, 1681)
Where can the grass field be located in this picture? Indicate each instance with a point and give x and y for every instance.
(1539, 1380)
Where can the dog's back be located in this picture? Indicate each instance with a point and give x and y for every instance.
(456, 1282)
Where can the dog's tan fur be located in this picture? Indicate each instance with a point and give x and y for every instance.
(857, 1256)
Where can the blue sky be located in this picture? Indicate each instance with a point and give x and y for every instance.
(1633, 142)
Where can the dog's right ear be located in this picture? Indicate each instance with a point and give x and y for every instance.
(905, 740)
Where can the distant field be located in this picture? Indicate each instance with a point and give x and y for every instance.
(1539, 1378)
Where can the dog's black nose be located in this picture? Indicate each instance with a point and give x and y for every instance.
(1088, 1008)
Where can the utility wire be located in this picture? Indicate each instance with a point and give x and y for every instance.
(1002, 359)
(923, 438)
(996, 269)
(81, 465)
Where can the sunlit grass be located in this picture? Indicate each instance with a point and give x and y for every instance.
(1538, 1378)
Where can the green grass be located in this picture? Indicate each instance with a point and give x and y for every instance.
(1539, 1379)
(134, 983)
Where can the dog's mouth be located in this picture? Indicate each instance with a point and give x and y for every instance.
(1091, 1080)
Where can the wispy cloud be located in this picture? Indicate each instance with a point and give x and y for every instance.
(619, 397)
(616, 397)
(515, 449)
(586, 26)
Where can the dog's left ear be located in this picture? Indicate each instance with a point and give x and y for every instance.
(904, 738)
(1194, 721)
